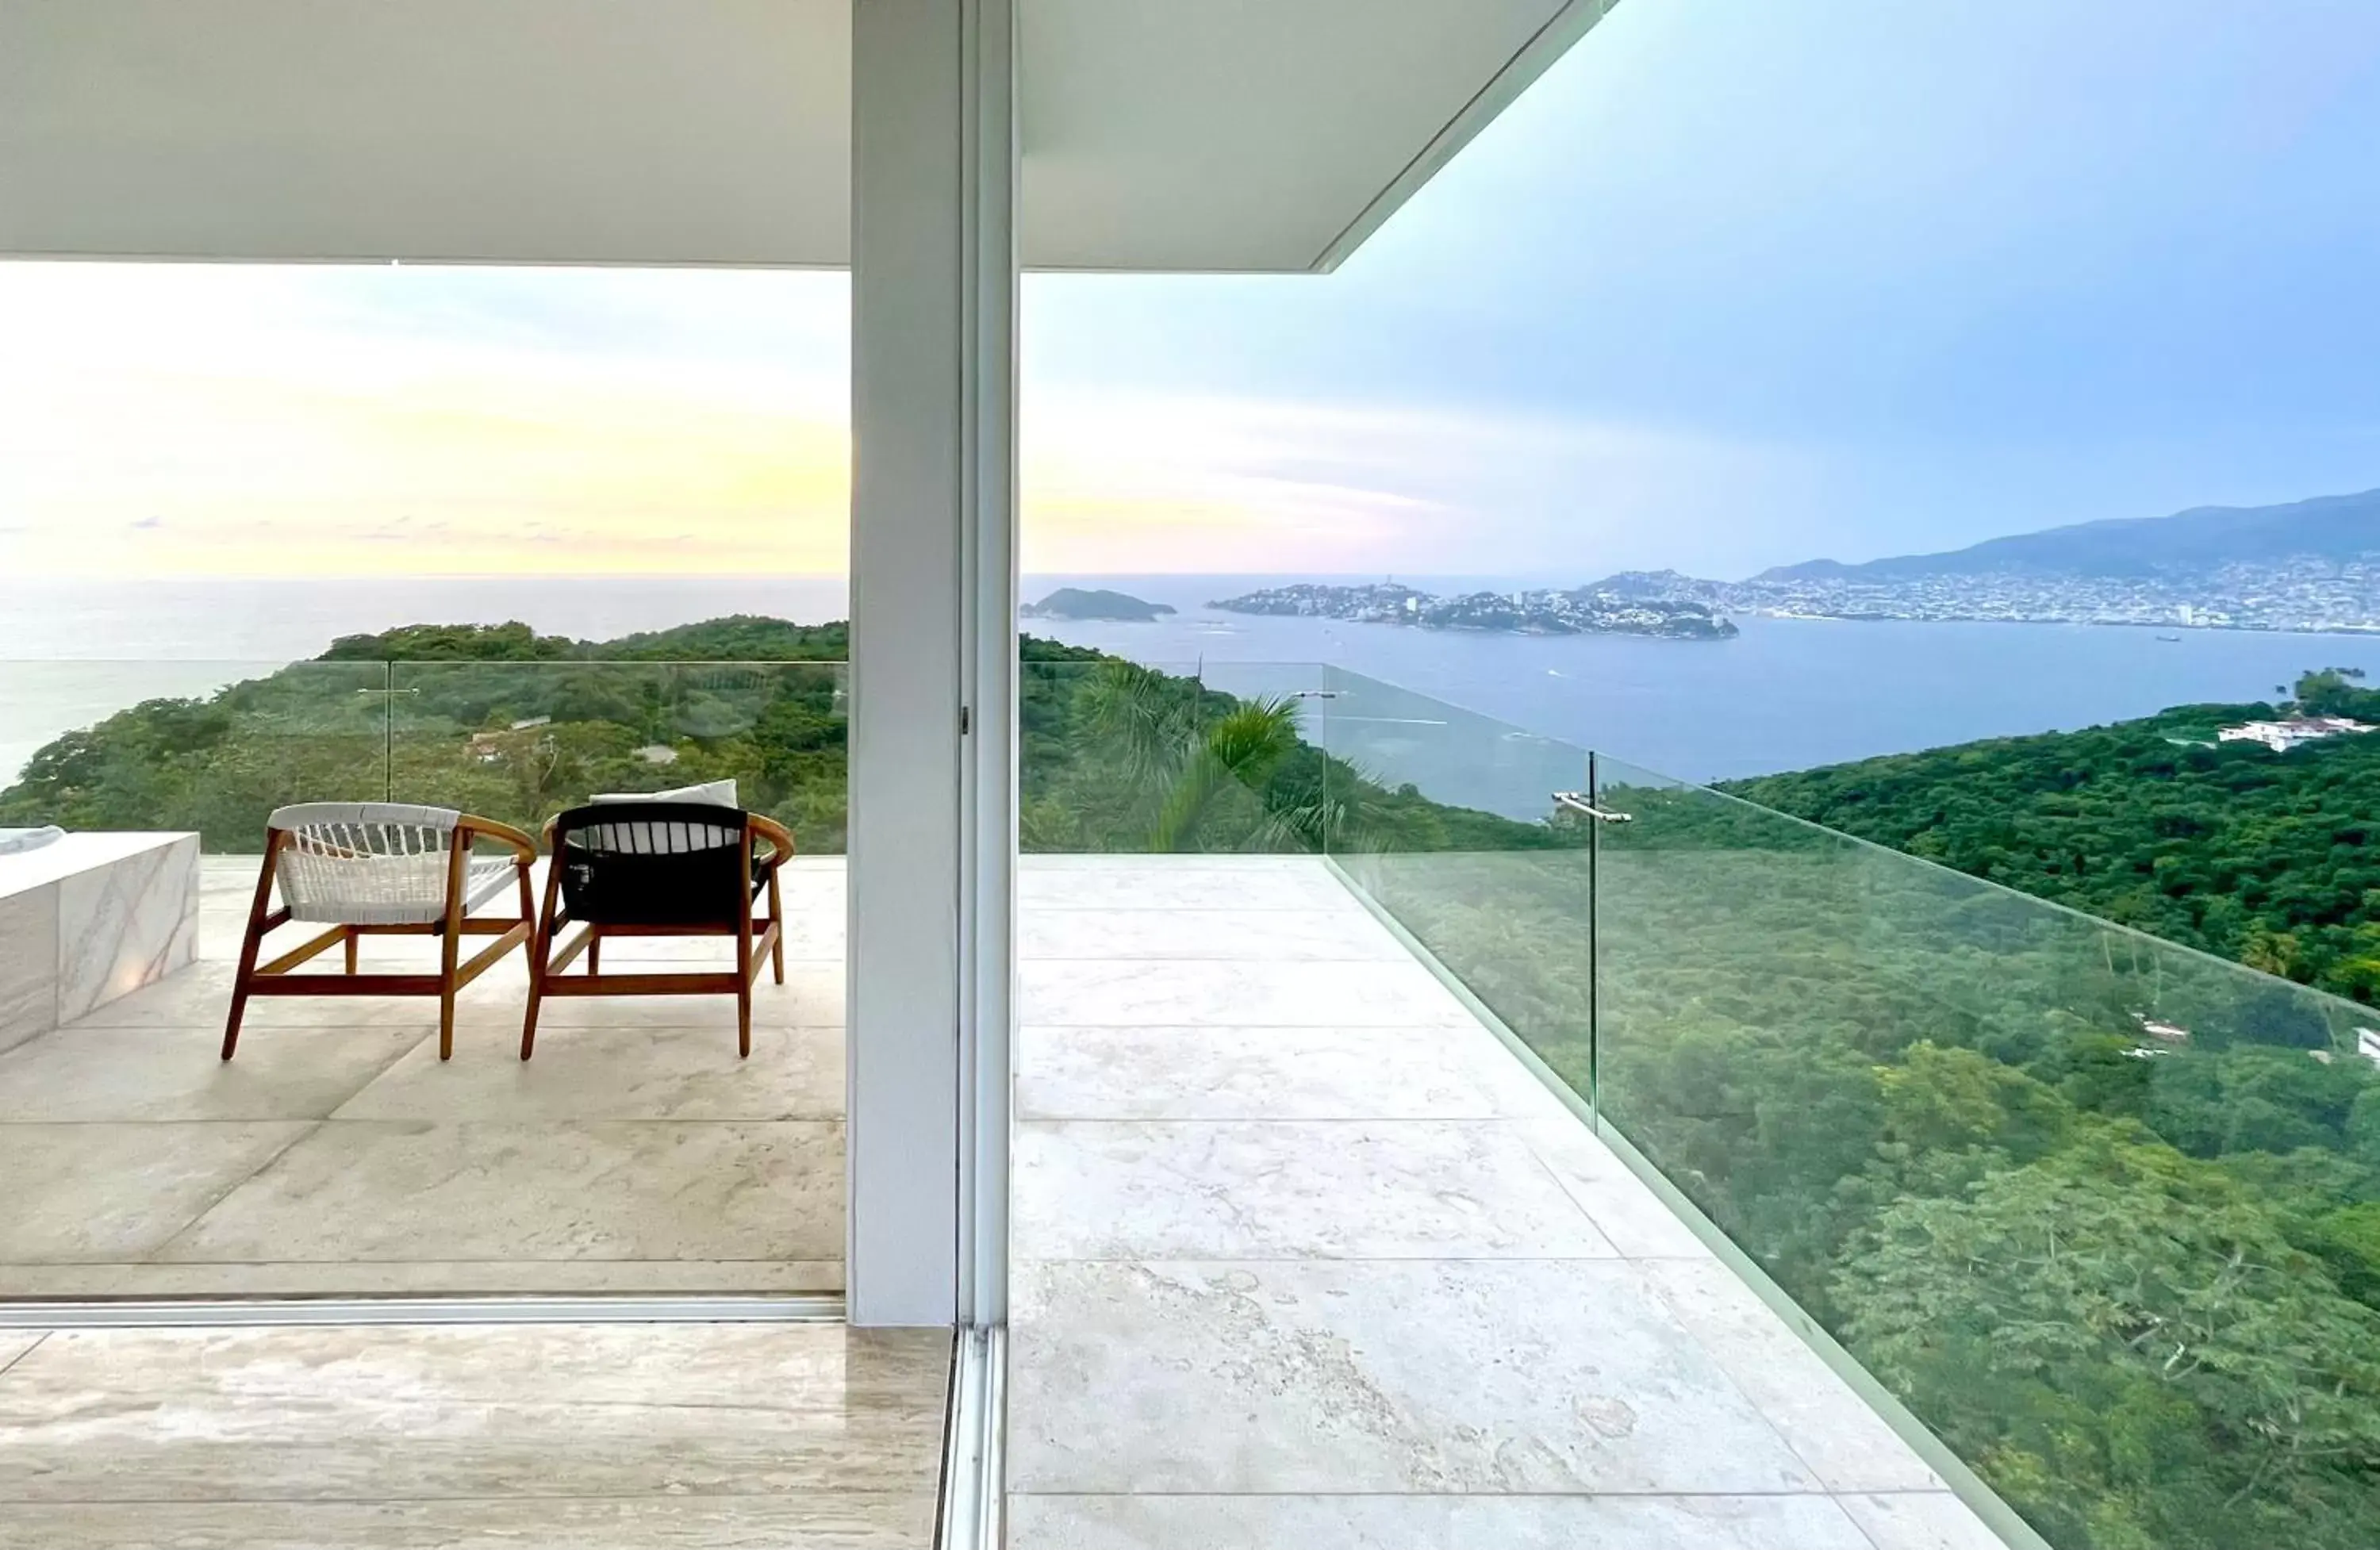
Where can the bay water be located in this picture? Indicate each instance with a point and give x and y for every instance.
(1786, 694)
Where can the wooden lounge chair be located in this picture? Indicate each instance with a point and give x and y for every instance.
(382, 869)
(659, 869)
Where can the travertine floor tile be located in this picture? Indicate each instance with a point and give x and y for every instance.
(1124, 992)
(1227, 1072)
(1846, 1444)
(93, 1073)
(811, 1520)
(416, 1191)
(1358, 1189)
(119, 1191)
(1268, 936)
(1430, 1523)
(429, 1413)
(586, 1074)
(1562, 1376)
(1919, 1521)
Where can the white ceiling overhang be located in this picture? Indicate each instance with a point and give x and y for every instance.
(1200, 135)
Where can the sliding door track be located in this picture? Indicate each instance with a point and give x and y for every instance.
(266, 1312)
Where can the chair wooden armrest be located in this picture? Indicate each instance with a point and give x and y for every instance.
(523, 847)
(780, 838)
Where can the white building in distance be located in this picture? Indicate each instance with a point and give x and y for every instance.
(2283, 735)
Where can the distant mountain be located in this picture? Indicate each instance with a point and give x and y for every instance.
(1653, 586)
(1097, 602)
(2333, 528)
(1587, 611)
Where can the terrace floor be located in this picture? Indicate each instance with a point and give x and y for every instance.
(337, 1155)
(1304, 1256)
(469, 1437)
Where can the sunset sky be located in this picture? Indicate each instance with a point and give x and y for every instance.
(1737, 284)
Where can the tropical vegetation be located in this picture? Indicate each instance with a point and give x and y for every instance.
(2101, 1209)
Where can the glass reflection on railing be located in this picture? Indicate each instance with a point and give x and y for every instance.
(2094, 1206)
(1123, 757)
(209, 747)
(215, 747)
(523, 740)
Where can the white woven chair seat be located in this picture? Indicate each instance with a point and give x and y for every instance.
(376, 863)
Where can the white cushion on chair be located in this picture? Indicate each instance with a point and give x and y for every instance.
(717, 794)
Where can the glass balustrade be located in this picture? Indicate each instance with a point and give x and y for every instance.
(335, 1152)
(2091, 1216)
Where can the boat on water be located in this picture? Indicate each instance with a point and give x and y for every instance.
(2169, 639)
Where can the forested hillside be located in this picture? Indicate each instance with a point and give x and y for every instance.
(510, 724)
(2104, 1213)
(2271, 859)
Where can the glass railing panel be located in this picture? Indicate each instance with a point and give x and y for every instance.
(1399, 739)
(337, 1153)
(209, 746)
(1456, 825)
(520, 742)
(1125, 758)
(2094, 1207)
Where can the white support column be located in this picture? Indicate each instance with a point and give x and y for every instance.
(933, 645)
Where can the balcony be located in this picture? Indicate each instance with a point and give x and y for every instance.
(1304, 1253)
(1426, 1131)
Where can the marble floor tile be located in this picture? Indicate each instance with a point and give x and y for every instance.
(1158, 1523)
(1273, 936)
(1230, 1072)
(1235, 1190)
(368, 1191)
(1638, 1222)
(1126, 992)
(15, 1343)
(494, 1277)
(1171, 863)
(1548, 1377)
(199, 997)
(458, 1411)
(29, 964)
(647, 1073)
(812, 997)
(79, 1193)
(1847, 1444)
(93, 1073)
(1155, 883)
(1919, 1521)
(811, 1521)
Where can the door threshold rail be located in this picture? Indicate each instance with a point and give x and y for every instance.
(284, 1312)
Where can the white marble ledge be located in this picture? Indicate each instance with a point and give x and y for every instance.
(79, 853)
(89, 918)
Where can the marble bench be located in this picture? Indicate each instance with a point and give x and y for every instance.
(88, 917)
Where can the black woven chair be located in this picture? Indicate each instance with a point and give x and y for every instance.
(659, 869)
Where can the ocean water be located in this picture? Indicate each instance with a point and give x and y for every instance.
(1785, 694)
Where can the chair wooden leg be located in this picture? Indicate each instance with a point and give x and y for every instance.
(250, 944)
(595, 950)
(777, 918)
(240, 991)
(541, 952)
(353, 942)
(447, 949)
(450, 944)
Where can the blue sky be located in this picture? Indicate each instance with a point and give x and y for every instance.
(1896, 277)
(1738, 283)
